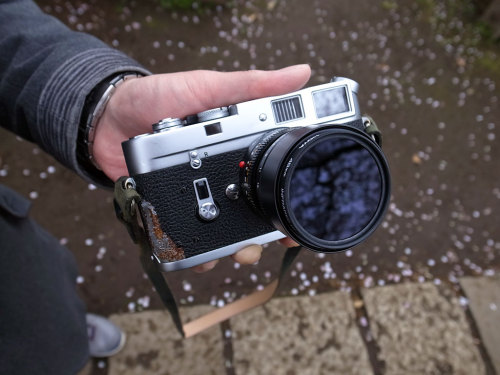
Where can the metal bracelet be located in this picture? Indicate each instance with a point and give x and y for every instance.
(93, 119)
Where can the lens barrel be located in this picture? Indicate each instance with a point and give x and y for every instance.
(327, 187)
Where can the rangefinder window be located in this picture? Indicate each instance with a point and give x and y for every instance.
(287, 109)
(331, 102)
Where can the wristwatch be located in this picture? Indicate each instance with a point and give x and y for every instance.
(94, 107)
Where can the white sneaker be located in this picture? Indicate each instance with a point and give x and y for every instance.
(105, 338)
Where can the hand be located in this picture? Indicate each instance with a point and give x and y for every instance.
(140, 102)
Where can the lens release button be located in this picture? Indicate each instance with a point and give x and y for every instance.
(232, 192)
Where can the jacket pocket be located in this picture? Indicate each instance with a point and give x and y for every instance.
(13, 203)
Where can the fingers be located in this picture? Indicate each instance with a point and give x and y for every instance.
(235, 87)
(288, 242)
(205, 266)
(248, 255)
(211, 89)
(185, 93)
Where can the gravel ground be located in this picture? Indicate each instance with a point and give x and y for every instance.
(426, 77)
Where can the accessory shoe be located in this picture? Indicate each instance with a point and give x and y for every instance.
(105, 338)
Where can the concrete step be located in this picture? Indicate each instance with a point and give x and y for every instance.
(413, 328)
(300, 335)
(421, 331)
(155, 347)
(484, 299)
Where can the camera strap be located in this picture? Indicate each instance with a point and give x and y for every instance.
(372, 129)
(126, 204)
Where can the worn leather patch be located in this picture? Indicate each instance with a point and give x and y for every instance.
(162, 245)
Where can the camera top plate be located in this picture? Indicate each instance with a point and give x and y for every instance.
(244, 122)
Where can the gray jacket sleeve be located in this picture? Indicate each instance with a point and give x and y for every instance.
(46, 72)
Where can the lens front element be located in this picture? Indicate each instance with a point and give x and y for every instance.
(334, 189)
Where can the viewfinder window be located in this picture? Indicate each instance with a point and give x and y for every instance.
(331, 102)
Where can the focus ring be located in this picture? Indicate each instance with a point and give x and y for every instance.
(252, 162)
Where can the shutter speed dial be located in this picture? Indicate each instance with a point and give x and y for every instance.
(213, 114)
(167, 124)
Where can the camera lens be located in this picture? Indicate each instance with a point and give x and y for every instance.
(334, 189)
(327, 187)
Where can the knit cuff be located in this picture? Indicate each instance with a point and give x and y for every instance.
(63, 98)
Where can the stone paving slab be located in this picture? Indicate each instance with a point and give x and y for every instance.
(155, 347)
(418, 328)
(300, 335)
(484, 302)
(419, 331)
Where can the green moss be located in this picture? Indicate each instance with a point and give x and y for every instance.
(177, 4)
(490, 63)
(439, 12)
(193, 4)
(485, 30)
(426, 5)
(389, 4)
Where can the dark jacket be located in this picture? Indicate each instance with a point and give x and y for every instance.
(46, 72)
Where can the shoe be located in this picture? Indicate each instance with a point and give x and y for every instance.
(105, 338)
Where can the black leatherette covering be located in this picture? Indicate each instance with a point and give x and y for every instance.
(171, 192)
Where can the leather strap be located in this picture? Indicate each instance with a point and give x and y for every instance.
(126, 202)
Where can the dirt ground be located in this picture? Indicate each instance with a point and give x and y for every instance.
(426, 78)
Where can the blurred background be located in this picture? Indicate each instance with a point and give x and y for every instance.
(429, 75)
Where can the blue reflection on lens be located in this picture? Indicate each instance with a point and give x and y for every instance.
(335, 189)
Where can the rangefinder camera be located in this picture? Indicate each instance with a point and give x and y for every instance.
(301, 165)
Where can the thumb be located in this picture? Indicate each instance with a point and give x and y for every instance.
(185, 93)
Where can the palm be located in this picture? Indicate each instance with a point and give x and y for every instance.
(138, 103)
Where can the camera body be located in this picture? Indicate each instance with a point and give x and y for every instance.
(200, 178)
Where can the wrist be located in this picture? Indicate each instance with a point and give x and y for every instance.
(98, 100)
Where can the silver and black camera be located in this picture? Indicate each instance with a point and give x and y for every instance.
(302, 165)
